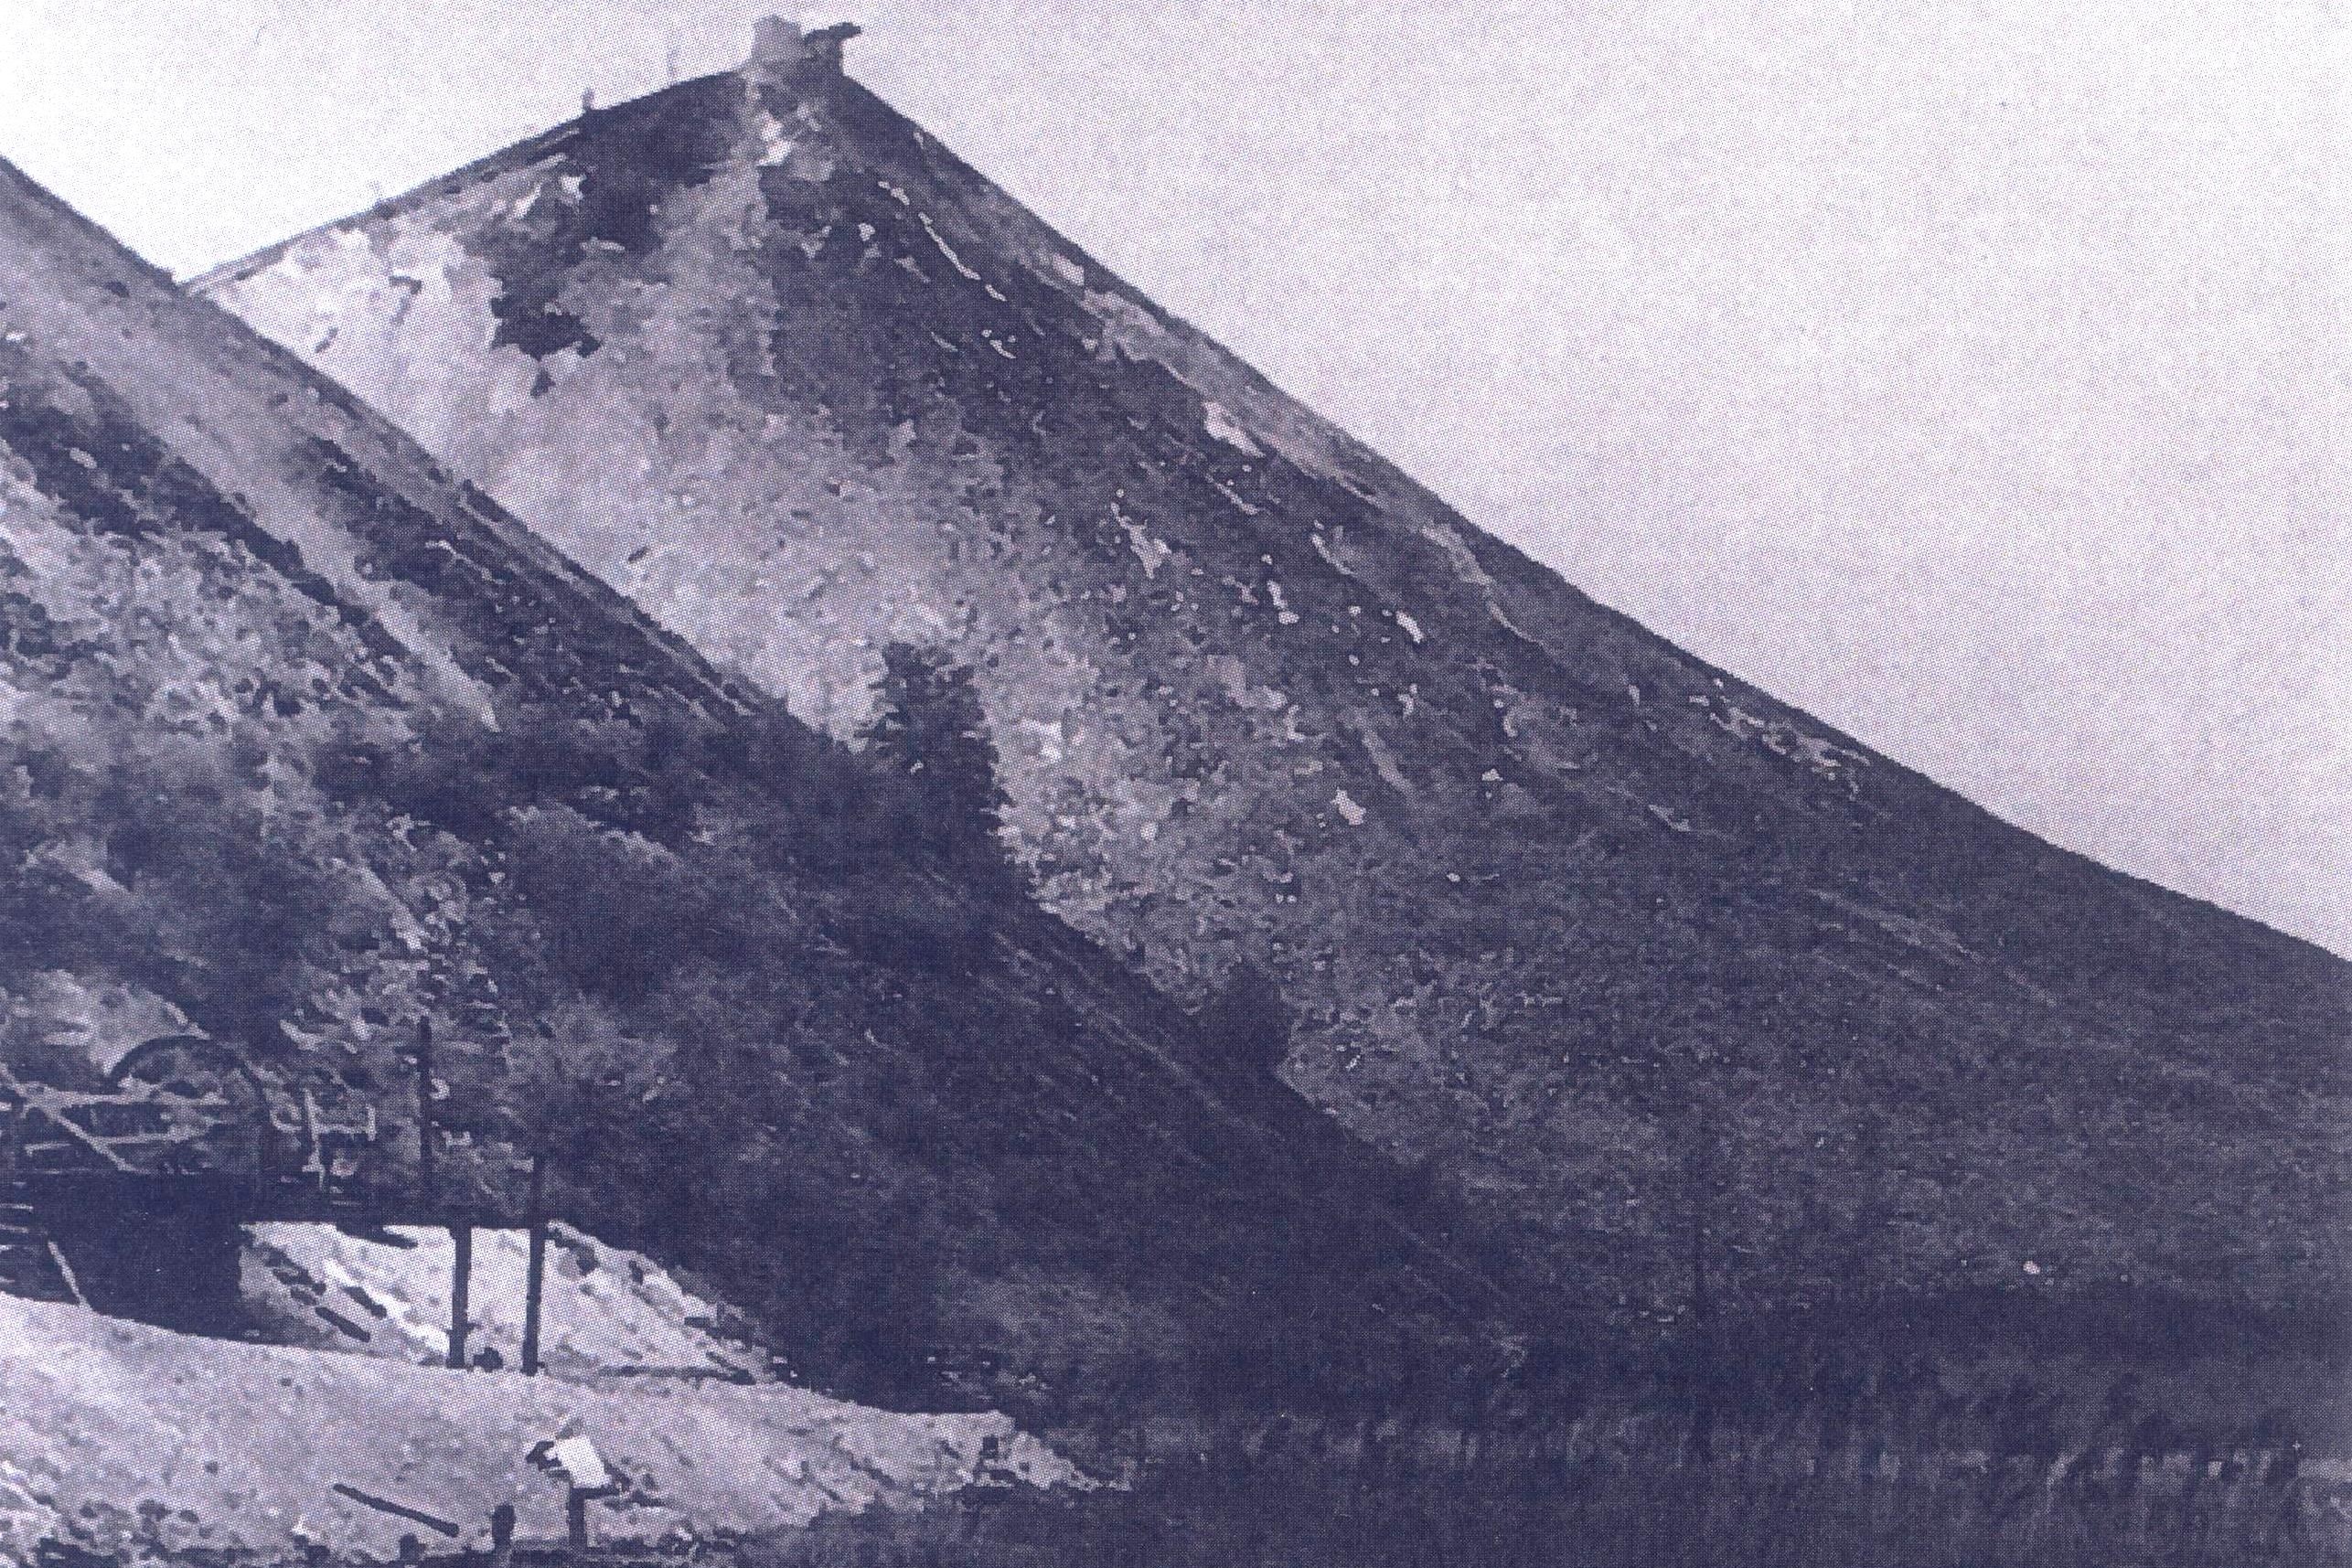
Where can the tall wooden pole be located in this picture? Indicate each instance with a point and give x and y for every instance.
(461, 1281)
(535, 1278)
(425, 1138)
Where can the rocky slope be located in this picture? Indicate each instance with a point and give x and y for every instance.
(306, 741)
(1605, 936)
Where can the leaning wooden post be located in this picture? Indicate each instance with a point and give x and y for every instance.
(461, 1281)
(535, 1276)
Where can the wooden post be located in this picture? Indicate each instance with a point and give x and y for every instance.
(535, 1278)
(461, 1280)
(425, 1138)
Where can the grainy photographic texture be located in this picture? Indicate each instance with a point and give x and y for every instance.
(711, 851)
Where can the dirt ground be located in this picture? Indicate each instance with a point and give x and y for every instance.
(112, 1434)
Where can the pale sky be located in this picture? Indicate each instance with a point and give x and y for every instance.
(1977, 378)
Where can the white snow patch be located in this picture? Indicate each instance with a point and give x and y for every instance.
(1412, 627)
(1224, 427)
(1284, 614)
(1346, 806)
(1068, 270)
(1666, 816)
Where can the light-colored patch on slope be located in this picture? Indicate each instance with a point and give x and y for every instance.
(1384, 760)
(1152, 551)
(237, 430)
(1233, 678)
(1224, 427)
(398, 315)
(604, 1309)
(1825, 758)
(1448, 538)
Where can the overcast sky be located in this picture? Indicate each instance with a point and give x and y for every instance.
(1975, 374)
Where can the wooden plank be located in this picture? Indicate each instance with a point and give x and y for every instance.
(399, 1511)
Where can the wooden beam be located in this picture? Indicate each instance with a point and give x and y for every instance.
(398, 1510)
(65, 1272)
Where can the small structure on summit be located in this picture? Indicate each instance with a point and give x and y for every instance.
(781, 51)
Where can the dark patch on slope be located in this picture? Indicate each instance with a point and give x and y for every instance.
(107, 471)
(510, 630)
(605, 190)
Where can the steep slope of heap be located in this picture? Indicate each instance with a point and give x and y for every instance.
(1604, 935)
(306, 741)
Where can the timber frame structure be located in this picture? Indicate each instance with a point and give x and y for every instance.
(131, 1199)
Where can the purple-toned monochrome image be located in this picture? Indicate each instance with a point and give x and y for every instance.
(1305, 784)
